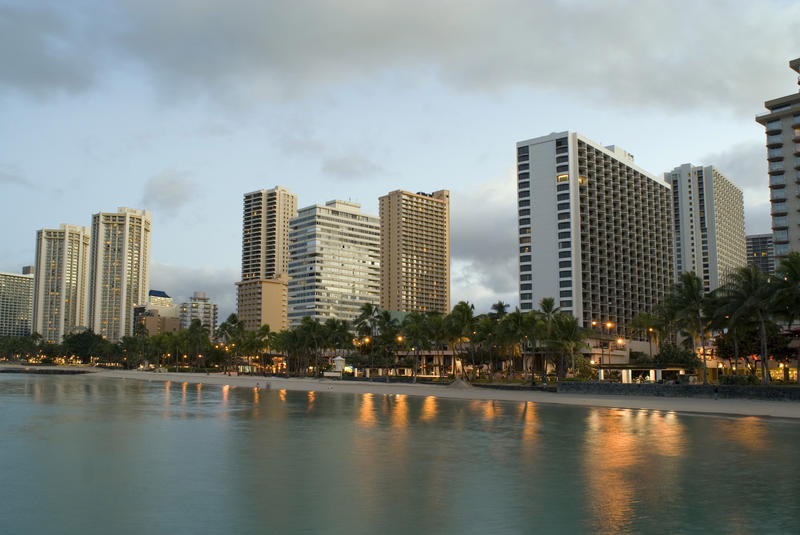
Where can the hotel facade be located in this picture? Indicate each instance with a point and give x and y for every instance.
(415, 251)
(334, 266)
(782, 125)
(708, 223)
(16, 304)
(61, 281)
(262, 291)
(594, 231)
(120, 270)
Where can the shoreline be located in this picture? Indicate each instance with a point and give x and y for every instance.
(710, 407)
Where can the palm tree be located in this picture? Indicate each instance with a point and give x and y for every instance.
(568, 336)
(462, 320)
(365, 324)
(748, 292)
(787, 295)
(499, 310)
(688, 299)
(416, 332)
(549, 311)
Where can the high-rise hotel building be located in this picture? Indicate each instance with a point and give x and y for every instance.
(594, 230)
(262, 292)
(120, 270)
(334, 266)
(16, 304)
(415, 251)
(61, 281)
(782, 123)
(708, 223)
(761, 252)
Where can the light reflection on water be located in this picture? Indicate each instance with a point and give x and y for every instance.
(152, 457)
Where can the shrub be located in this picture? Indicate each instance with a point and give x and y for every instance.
(741, 380)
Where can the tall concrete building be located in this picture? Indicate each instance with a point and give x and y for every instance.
(16, 304)
(61, 281)
(201, 308)
(265, 254)
(761, 252)
(782, 123)
(120, 270)
(595, 230)
(334, 266)
(415, 251)
(708, 223)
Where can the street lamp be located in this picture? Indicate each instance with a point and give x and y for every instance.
(366, 341)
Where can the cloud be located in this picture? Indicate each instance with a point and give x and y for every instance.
(746, 165)
(483, 240)
(628, 53)
(351, 168)
(180, 282)
(10, 174)
(43, 53)
(168, 191)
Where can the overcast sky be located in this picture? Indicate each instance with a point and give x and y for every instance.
(180, 107)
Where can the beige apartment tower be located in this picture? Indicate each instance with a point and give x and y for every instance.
(415, 251)
(120, 270)
(61, 281)
(264, 302)
(261, 294)
(782, 124)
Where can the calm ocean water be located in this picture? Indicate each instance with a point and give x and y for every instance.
(90, 455)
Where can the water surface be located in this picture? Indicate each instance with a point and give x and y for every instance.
(85, 454)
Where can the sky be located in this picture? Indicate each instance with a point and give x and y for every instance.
(181, 107)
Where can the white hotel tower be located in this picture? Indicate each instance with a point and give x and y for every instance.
(334, 266)
(594, 230)
(61, 281)
(708, 223)
(120, 270)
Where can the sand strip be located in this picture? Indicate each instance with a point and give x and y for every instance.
(738, 407)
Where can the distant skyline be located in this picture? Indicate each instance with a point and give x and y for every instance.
(182, 107)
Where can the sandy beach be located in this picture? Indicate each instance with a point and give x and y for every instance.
(731, 407)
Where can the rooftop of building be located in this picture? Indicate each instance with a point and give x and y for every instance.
(158, 293)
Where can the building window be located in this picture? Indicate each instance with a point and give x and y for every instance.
(525, 211)
(525, 221)
(565, 293)
(565, 264)
(565, 254)
(524, 176)
(564, 235)
(525, 202)
(562, 187)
